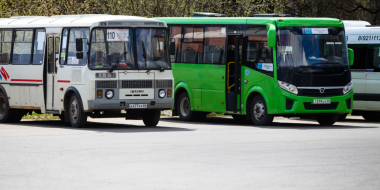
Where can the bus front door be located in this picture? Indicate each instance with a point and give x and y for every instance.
(234, 63)
(53, 42)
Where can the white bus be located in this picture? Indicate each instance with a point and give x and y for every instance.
(75, 66)
(364, 39)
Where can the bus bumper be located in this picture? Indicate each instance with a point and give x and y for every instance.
(165, 103)
(293, 104)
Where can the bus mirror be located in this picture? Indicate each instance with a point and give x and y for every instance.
(271, 35)
(351, 56)
(172, 48)
(79, 44)
(79, 55)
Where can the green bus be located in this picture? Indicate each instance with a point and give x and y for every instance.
(255, 68)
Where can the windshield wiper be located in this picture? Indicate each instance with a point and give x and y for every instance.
(117, 62)
(146, 56)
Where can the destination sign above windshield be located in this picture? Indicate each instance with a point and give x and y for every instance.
(315, 31)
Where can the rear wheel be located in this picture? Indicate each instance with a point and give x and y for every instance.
(327, 118)
(78, 117)
(151, 117)
(371, 116)
(259, 113)
(6, 113)
(184, 108)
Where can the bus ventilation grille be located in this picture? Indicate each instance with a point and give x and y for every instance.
(106, 84)
(137, 84)
(309, 106)
(164, 84)
(317, 93)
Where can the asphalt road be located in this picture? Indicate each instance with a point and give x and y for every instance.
(215, 154)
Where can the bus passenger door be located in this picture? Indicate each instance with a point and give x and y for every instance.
(53, 42)
(234, 63)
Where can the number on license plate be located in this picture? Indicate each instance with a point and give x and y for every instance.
(138, 105)
(321, 101)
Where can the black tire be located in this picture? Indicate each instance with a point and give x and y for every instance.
(6, 113)
(78, 117)
(259, 113)
(371, 116)
(184, 108)
(202, 116)
(18, 115)
(62, 117)
(327, 118)
(241, 118)
(342, 117)
(151, 117)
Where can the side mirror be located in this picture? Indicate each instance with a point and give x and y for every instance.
(271, 35)
(79, 44)
(172, 48)
(350, 56)
(79, 55)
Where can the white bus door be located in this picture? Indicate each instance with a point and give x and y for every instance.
(53, 41)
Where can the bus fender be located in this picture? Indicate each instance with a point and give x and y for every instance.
(255, 90)
(67, 96)
(188, 90)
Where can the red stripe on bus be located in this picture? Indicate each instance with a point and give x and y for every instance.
(26, 80)
(65, 81)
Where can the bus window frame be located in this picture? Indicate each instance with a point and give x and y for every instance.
(67, 45)
(13, 42)
(11, 52)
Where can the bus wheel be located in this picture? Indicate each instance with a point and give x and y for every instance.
(371, 116)
(184, 109)
(259, 113)
(327, 118)
(6, 113)
(151, 117)
(78, 117)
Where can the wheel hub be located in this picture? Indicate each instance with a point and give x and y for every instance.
(74, 110)
(259, 110)
(184, 106)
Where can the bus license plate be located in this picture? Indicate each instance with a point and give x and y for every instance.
(138, 105)
(321, 101)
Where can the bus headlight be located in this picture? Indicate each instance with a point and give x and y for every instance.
(161, 93)
(348, 88)
(109, 94)
(288, 87)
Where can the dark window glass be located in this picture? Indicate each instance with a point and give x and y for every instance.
(50, 55)
(39, 46)
(64, 47)
(215, 43)
(5, 45)
(22, 47)
(360, 55)
(175, 36)
(192, 45)
(373, 61)
(71, 53)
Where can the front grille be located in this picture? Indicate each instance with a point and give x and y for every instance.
(137, 84)
(164, 83)
(309, 106)
(317, 92)
(106, 84)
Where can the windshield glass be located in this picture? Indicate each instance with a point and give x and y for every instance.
(151, 48)
(112, 48)
(312, 50)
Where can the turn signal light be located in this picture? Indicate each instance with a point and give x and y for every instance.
(99, 93)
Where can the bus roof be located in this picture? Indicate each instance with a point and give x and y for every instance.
(280, 21)
(85, 20)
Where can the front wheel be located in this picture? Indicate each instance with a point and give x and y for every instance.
(151, 117)
(259, 112)
(6, 113)
(184, 108)
(78, 117)
(327, 118)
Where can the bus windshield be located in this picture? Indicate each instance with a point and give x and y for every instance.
(113, 48)
(312, 50)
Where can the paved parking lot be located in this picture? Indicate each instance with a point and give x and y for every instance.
(215, 154)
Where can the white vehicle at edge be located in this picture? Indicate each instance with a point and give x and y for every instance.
(364, 39)
(76, 66)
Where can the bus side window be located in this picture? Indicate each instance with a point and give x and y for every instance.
(62, 57)
(360, 55)
(71, 53)
(373, 61)
(22, 47)
(175, 36)
(39, 44)
(5, 45)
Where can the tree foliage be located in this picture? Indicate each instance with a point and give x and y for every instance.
(343, 9)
